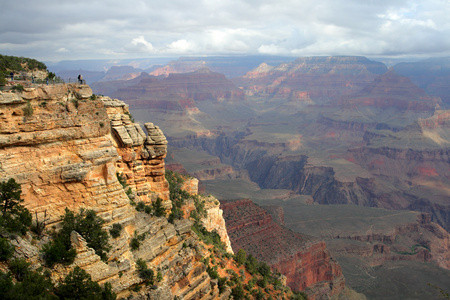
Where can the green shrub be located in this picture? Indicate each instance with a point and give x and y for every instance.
(115, 230)
(158, 209)
(159, 276)
(238, 292)
(18, 88)
(20, 268)
(88, 225)
(262, 282)
(299, 296)
(222, 283)
(14, 217)
(135, 243)
(79, 285)
(251, 264)
(144, 272)
(210, 238)
(16, 63)
(28, 109)
(264, 270)
(122, 180)
(131, 117)
(6, 249)
(140, 206)
(58, 252)
(212, 271)
(240, 257)
(6, 285)
(33, 285)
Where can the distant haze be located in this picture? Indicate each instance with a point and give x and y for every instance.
(75, 30)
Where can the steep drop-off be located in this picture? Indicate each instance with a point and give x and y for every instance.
(65, 147)
(304, 260)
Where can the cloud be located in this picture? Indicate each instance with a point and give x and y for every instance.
(91, 29)
(140, 45)
(62, 50)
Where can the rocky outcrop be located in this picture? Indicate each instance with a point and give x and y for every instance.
(142, 156)
(61, 152)
(65, 147)
(304, 260)
(214, 221)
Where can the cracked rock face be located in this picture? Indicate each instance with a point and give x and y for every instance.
(142, 156)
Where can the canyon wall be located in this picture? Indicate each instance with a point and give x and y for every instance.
(304, 260)
(66, 148)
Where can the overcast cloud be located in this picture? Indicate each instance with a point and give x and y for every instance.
(91, 29)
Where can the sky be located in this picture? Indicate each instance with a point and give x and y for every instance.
(110, 29)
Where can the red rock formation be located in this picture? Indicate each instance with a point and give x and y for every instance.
(179, 91)
(322, 78)
(304, 260)
(440, 119)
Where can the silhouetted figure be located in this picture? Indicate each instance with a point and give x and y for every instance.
(12, 76)
(80, 79)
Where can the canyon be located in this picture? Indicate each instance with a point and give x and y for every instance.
(74, 150)
(326, 130)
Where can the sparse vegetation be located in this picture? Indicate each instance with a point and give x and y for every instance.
(79, 285)
(178, 196)
(130, 116)
(28, 109)
(115, 230)
(18, 88)
(135, 242)
(240, 257)
(144, 272)
(14, 63)
(88, 225)
(158, 209)
(75, 102)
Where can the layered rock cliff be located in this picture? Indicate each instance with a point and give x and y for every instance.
(319, 78)
(304, 260)
(66, 147)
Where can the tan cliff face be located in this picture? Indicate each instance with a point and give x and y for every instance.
(65, 147)
(142, 156)
(61, 152)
